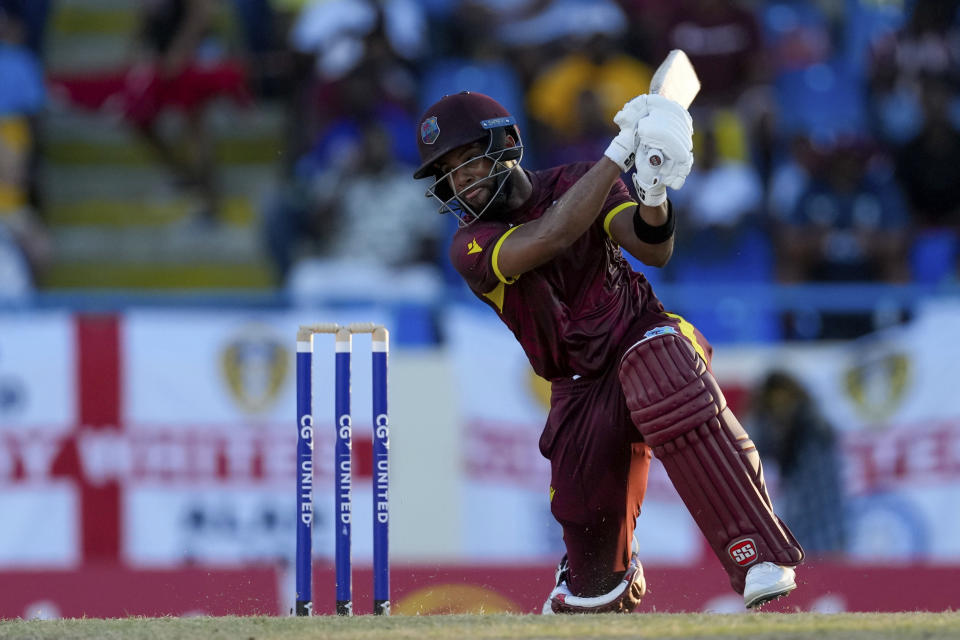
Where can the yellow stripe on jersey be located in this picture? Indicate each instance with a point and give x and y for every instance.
(496, 254)
(687, 330)
(607, 219)
(496, 296)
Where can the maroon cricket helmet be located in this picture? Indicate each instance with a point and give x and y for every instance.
(455, 120)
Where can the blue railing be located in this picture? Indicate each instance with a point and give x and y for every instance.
(782, 297)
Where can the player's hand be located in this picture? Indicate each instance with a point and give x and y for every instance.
(666, 132)
(623, 147)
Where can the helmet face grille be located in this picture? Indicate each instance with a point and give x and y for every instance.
(457, 120)
(503, 160)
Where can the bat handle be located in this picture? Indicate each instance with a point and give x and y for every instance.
(648, 167)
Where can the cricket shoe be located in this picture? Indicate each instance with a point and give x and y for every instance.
(560, 577)
(767, 581)
(623, 598)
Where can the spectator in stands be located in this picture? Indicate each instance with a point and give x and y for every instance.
(349, 103)
(16, 279)
(926, 46)
(361, 209)
(475, 59)
(647, 21)
(540, 32)
(268, 62)
(473, 16)
(32, 16)
(802, 97)
(723, 193)
(342, 33)
(355, 105)
(850, 224)
(791, 433)
(24, 242)
(722, 39)
(572, 102)
(359, 95)
(790, 177)
(183, 66)
(382, 41)
(928, 167)
(723, 235)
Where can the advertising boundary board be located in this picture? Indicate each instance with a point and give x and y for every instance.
(106, 592)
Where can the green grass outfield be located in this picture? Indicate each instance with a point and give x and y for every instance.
(792, 626)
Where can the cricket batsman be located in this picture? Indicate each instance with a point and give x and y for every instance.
(543, 249)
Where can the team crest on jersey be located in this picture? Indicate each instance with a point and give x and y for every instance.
(429, 130)
(743, 552)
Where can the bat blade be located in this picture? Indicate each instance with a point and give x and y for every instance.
(676, 79)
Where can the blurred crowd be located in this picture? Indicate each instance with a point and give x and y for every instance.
(827, 133)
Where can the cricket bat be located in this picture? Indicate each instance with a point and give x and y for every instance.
(677, 80)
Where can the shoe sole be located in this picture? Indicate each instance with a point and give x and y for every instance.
(762, 599)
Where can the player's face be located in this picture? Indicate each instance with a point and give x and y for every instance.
(472, 179)
(467, 170)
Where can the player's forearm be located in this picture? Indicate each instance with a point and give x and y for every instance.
(653, 254)
(653, 245)
(653, 216)
(579, 207)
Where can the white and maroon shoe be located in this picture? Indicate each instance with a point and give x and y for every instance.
(766, 582)
(623, 598)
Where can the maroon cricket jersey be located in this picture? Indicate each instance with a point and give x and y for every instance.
(572, 313)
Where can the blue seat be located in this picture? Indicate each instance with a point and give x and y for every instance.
(823, 101)
(934, 255)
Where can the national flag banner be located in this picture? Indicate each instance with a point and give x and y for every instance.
(159, 440)
(209, 416)
(206, 443)
(39, 503)
(38, 375)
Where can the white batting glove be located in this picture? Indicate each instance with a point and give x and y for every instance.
(623, 147)
(664, 134)
(653, 194)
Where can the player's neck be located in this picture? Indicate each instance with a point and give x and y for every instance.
(521, 191)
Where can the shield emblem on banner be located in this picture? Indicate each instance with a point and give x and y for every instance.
(429, 130)
(254, 365)
(878, 386)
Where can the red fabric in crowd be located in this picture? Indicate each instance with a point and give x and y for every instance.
(142, 93)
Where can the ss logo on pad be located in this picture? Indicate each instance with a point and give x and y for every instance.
(743, 552)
